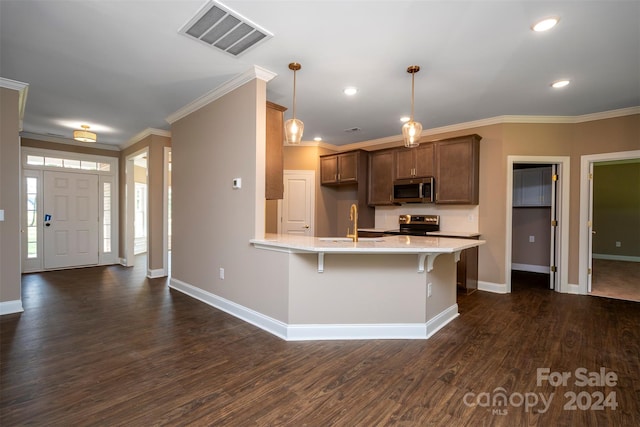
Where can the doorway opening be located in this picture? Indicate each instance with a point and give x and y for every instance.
(137, 207)
(609, 263)
(537, 229)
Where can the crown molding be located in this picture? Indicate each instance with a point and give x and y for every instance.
(144, 134)
(23, 90)
(397, 139)
(62, 140)
(253, 73)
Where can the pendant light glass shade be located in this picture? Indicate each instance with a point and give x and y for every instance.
(84, 135)
(293, 128)
(412, 130)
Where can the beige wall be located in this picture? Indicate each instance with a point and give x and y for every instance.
(616, 209)
(28, 142)
(9, 196)
(213, 223)
(154, 144)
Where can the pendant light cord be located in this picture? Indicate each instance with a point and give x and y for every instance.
(294, 94)
(413, 79)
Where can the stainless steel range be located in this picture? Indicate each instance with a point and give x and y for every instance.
(416, 225)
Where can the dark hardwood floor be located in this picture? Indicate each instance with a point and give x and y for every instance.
(105, 346)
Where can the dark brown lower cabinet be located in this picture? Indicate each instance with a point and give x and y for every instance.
(467, 274)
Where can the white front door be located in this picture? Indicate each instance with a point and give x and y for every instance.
(70, 232)
(297, 207)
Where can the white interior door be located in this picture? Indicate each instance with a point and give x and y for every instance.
(297, 207)
(70, 232)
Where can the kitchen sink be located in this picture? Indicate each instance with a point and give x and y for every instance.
(348, 239)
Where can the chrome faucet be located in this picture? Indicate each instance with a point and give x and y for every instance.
(353, 216)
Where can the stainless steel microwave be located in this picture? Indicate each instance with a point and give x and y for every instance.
(414, 190)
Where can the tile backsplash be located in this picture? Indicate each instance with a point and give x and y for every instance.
(452, 218)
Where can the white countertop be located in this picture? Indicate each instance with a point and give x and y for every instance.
(385, 244)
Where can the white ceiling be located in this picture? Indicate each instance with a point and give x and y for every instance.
(122, 67)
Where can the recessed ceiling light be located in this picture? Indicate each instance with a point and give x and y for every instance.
(559, 84)
(317, 138)
(350, 91)
(545, 24)
(405, 119)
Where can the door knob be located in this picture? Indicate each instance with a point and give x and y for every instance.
(593, 231)
(306, 226)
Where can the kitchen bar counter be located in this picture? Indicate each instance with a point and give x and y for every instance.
(339, 289)
(426, 247)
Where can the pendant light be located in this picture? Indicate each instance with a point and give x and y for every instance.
(84, 135)
(293, 128)
(411, 130)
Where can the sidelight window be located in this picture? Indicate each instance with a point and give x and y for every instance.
(32, 217)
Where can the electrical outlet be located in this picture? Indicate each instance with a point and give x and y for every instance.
(222, 273)
(532, 239)
(618, 244)
(428, 290)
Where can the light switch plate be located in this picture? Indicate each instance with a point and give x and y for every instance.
(237, 183)
(1, 214)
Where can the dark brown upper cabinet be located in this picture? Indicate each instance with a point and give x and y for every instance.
(343, 168)
(380, 178)
(414, 162)
(457, 168)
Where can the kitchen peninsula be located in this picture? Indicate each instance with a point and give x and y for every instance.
(389, 287)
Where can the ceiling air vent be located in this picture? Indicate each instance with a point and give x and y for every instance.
(218, 26)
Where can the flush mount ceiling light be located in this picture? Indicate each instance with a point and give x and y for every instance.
(350, 91)
(412, 130)
(545, 24)
(84, 135)
(293, 127)
(560, 84)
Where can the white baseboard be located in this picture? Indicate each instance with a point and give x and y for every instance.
(616, 257)
(531, 268)
(310, 332)
(496, 288)
(11, 307)
(154, 274)
(438, 322)
(267, 323)
(375, 331)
